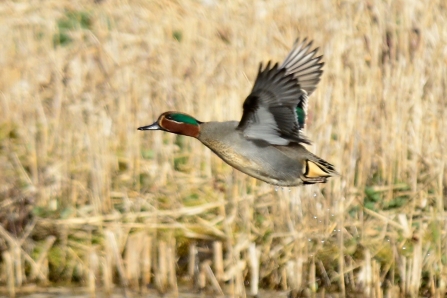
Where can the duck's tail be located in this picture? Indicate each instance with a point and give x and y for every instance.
(317, 170)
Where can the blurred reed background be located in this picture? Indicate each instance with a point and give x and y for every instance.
(88, 200)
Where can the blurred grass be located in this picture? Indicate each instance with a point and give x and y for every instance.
(78, 79)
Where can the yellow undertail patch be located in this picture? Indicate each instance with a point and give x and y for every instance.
(314, 171)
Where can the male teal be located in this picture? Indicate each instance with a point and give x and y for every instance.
(267, 143)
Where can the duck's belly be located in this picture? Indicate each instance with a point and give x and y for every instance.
(265, 163)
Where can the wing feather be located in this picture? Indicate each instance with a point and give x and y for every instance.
(276, 109)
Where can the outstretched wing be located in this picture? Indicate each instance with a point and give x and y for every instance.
(276, 109)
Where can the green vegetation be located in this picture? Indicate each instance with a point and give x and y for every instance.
(71, 21)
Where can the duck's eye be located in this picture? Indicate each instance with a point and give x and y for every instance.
(169, 117)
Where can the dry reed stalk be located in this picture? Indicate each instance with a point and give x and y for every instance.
(416, 272)
(146, 261)
(107, 273)
(133, 258)
(201, 278)
(18, 264)
(9, 269)
(394, 291)
(161, 274)
(101, 219)
(117, 259)
(93, 270)
(442, 287)
(283, 277)
(403, 272)
(349, 279)
(253, 258)
(42, 260)
(326, 280)
(365, 276)
(172, 266)
(375, 280)
(206, 268)
(234, 276)
(239, 284)
(192, 262)
(218, 262)
(295, 273)
(312, 277)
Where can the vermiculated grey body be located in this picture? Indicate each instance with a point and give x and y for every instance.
(278, 165)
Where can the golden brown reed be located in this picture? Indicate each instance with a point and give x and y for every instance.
(86, 198)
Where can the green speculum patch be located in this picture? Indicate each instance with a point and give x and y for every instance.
(301, 116)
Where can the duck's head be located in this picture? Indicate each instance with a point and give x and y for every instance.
(176, 122)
